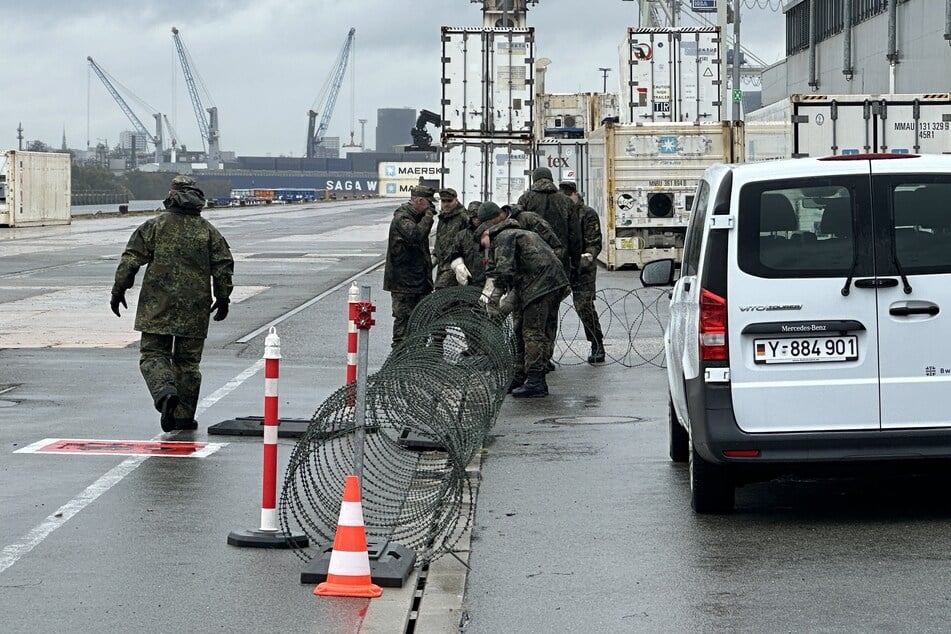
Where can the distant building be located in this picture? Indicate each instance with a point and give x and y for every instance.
(329, 148)
(393, 128)
(125, 141)
(907, 52)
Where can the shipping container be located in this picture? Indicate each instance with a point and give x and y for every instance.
(403, 171)
(313, 164)
(670, 74)
(488, 82)
(36, 189)
(287, 164)
(566, 158)
(338, 165)
(390, 188)
(487, 169)
(824, 125)
(642, 178)
(256, 162)
(573, 115)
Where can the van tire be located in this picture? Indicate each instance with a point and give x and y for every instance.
(712, 490)
(679, 448)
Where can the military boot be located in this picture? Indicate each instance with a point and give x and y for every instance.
(597, 353)
(535, 387)
(517, 381)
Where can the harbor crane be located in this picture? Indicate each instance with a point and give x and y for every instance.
(155, 139)
(324, 104)
(209, 128)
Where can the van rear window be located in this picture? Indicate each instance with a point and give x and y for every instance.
(804, 230)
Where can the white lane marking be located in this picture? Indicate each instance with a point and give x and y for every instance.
(15, 551)
(248, 337)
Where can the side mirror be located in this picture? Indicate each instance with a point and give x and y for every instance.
(658, 273)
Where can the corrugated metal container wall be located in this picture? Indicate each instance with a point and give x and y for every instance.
(566, 158)
(670, 74)
(487, 169)
(338, 165)
(488, 82)
(313, 164)
(256, 162)
(38, 188)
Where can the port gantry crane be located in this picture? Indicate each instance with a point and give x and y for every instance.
(209, 128)
(156, 139)
(327, 99)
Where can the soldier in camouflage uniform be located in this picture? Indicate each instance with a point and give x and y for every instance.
(408, 274)
(453, 219)
(524, 264)
(584, 280)
(544, 199)
(181, 252)
(467, 259)
(529, 221)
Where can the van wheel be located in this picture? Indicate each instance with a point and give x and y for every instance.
(711, 488)
(679, 440)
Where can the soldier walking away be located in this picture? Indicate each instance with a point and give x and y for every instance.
(181, 252)
(556, 209)
(524, 264)
(453, 218)
(584, 280)
(408, 275)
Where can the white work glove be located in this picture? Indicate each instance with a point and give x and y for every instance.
(507, 304)
(487, 291)
(587, 257)
(461, 270)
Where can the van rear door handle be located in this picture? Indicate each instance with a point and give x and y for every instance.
(904, 309)
(876, 282)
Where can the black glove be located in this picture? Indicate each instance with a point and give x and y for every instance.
(118, 297)
(220, 308)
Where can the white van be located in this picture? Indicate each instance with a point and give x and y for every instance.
(811, 322)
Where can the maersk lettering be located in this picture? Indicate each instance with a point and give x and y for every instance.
(419, 171)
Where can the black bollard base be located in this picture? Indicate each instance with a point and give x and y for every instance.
(390, 564)
(267, 539)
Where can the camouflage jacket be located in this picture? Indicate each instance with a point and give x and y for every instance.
(408, 266)
(186, 260)
(449, 227)
(468, 248)
(524, 263)
(530, 221)
(591, 243)
(556, 208)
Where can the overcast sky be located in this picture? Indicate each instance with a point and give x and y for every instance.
(264, 62)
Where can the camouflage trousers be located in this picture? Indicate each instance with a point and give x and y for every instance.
(583, 299)
(539, 326)
(403, 305)
(169, 364)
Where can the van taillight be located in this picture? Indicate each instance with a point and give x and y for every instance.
(712, 326)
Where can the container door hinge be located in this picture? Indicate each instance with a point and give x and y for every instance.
(716, 375)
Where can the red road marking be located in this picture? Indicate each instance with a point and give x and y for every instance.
(169, 448)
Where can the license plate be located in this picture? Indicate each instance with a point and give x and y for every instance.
(806, 349)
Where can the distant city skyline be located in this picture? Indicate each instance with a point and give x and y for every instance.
(264, 63)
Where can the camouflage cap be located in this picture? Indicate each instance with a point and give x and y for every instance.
(540, 173)
(569, 187)
(180, 182)
(448, 194)
(473, 207)
(422, 191)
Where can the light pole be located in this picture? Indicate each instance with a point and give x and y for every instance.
(604, 77)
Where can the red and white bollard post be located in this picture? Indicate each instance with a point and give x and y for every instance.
(269, 536)
(353, 298)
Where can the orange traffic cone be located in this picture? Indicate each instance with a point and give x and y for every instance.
(348, 574)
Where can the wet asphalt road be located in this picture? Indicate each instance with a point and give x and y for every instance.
(581, 522)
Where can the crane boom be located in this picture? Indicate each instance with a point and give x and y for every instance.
(136, 122)
(315, 134)
(209, 128)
